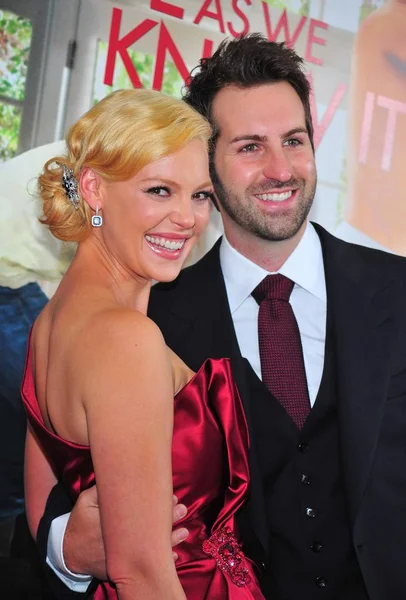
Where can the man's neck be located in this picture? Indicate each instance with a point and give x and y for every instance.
(265, 253)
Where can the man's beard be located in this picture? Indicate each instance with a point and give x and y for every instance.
(265, 226)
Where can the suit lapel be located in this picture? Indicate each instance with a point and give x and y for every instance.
(361, 301)
(197, 324)
(199, 319)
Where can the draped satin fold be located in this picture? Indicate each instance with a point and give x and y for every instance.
(210, 476)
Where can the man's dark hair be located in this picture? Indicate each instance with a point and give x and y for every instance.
(246, 62)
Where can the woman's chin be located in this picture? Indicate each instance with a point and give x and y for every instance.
(167, 275)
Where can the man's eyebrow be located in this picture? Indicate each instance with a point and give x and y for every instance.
(255, 137)
(249, 136)
(296, 130)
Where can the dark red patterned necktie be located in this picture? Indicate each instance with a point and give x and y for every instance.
(280, 347)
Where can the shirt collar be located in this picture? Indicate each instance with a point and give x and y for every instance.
(304, 267)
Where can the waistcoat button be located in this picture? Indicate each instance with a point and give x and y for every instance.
(321, 582)
(303, 447)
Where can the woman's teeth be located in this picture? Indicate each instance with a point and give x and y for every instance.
(164, 243)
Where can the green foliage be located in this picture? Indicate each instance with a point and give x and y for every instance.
(279, 3)
(365, 10)
(144, 64)
(304, 7)
(10, 119)
(172, 82)
(290, 6)
(15, 40)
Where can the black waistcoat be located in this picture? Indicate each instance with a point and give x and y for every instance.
(311, 551)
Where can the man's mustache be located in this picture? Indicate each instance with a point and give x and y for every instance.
(270, 185)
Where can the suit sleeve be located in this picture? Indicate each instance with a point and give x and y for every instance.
(58, 504)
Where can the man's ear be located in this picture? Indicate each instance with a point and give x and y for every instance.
(89, 186)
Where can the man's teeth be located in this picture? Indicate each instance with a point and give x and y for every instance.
(275, 197)
(164, 243)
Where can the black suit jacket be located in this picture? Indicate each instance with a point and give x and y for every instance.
(366, 292)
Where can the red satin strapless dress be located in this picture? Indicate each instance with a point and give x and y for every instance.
(210, 476)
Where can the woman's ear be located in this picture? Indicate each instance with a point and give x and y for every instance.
(89, 185)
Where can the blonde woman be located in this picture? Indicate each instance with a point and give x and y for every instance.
(99, 387)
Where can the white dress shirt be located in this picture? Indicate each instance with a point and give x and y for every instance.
(309, 303)
(308, 300)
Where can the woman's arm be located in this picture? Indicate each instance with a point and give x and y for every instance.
(39, 479)
(128, 399)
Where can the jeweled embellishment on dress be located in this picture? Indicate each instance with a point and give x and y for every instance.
(226, 551)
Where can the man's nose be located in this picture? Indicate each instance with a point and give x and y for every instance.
(277, 166)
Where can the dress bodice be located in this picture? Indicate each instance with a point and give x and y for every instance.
(210, 476)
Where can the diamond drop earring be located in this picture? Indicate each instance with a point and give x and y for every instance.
(97, 220)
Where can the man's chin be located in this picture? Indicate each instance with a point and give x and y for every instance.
(282, 233)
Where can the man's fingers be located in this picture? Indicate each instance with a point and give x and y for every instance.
(178, 536)
(179, 511)
(90, 497)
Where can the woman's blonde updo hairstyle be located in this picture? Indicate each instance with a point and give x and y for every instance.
(117, 137)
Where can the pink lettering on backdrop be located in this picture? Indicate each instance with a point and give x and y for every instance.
(167, 48)
(366, 127)
(217, 15)
(167, 45)
(321, 127)
(242, 16)
(282, 24)
(207, 48)
(167, 8)
(119, 46)
(394, 107)
(312, 39)
(291, 38)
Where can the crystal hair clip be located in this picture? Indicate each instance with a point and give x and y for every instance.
(70, 185)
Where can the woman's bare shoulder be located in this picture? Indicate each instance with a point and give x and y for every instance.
(115, 333)
(182, 374)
